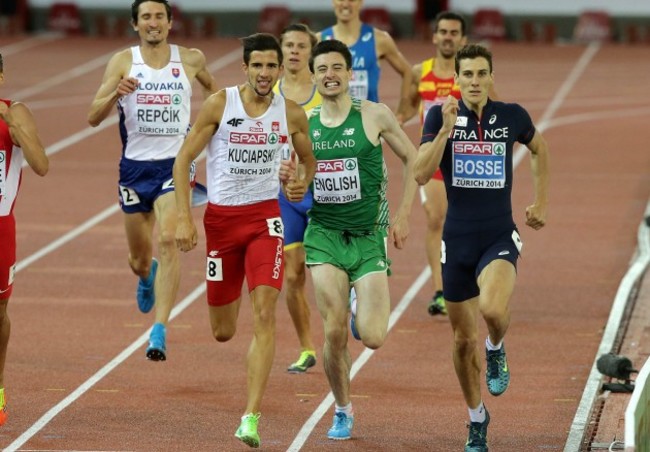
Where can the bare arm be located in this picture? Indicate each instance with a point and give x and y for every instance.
(430, 154)
(388, 49)
(539, 163)
(22, 128)
(195, 66)
(114, 85)
(403, 148)
(202, 131)
(299, 129)
(414, 94)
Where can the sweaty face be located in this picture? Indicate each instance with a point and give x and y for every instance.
(345, 10)
(448, 38)
(474, 79)
(331, 75)
(296, 48)
(153, 24)
(263, 70)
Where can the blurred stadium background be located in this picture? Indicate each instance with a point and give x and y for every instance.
(549, 20)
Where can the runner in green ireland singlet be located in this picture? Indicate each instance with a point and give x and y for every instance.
(351, 179)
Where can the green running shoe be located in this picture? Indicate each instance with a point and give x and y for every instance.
(497, 375)
(477, 438)
(247, 431)
(307, 359)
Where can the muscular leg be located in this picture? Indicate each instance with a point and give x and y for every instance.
(5, 329)
(496, 281)
(294, 274)
(223, 320)
(139, 232)
(332, 288)
(168, 275)
(262, 348)
(373, 309)
(463, 317)
(435, 207)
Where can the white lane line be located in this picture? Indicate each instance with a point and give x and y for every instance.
(560, 96)
(69, 236)
(101, 373)
(25, 44)
(325, 405)
(63, 77)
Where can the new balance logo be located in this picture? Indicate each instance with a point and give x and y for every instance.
(349, 131)
(504, 253)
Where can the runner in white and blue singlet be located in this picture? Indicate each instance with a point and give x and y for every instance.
(151, 86)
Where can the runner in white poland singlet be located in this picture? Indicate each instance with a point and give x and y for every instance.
(244, 154)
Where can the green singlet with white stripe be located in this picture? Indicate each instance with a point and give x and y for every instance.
(351, 177)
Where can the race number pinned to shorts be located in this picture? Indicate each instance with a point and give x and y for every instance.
(443, 252)
(12, 274)
(168, 184)
(214, 269)
(276, 227)
(517, 240)
(128, 196)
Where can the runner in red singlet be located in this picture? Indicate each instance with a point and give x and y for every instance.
(18, 140)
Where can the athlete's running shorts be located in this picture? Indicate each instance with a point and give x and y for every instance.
(464, 256)
(242, 241)
(7, 255)
(295, 219)
(356, 254)
(142, 182)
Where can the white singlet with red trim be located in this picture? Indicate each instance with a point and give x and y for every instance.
(156, 117)
(244, 155)
(11, 163)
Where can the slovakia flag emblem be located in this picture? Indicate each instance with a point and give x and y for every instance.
(176, 72)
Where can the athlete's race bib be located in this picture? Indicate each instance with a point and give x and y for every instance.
(479, 164)
(359, 84)
(161, 114)
(337, 181)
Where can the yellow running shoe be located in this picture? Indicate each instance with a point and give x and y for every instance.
(306, 360)
(247, 431)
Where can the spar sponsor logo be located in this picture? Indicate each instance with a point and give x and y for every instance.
(252, 138)
(158, 99)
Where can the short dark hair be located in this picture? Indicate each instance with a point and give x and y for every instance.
(260, 42)
(303, 29)
(328, 46)
(470, 52)
(135, 6)
(449, 15)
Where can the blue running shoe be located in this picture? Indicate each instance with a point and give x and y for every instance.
(497, 374)
(341, 427)
(477, 438)
(157, 350)
(145, 295)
